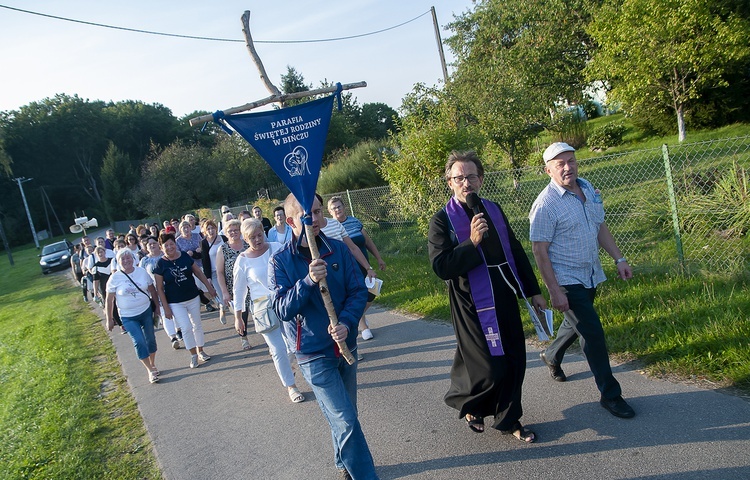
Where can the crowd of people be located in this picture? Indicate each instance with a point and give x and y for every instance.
(272, 274)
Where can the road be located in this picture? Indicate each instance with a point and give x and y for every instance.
(232, 419)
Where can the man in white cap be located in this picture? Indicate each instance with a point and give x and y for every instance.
(567, 229)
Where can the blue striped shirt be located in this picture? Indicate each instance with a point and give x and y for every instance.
(571, 227)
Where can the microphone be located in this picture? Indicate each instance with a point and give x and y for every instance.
(475, 204)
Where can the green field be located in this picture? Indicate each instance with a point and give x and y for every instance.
(65, 407)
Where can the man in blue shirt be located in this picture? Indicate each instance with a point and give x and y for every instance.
(567, 229)
(298, 302)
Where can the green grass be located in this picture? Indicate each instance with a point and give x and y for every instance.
(65, 408)
(686, 327)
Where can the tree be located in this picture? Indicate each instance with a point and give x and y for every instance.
(664, 53)
(430, 129)
(119, 177)
(376, 121)
(292, 82)
(517, 60)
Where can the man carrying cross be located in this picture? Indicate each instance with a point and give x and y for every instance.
(486, 268)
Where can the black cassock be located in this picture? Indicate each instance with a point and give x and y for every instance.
(483, 385)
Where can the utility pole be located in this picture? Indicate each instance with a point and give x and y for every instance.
(20, 180)
(439, 44)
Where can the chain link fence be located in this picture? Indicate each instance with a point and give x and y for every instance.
(679, 207)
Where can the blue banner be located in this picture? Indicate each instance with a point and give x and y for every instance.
(291, 141)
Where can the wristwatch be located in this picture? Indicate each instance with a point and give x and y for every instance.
(620, 260)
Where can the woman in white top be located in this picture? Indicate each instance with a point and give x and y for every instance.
(251, 272)
(134, 288)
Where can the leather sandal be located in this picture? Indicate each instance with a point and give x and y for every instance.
(521, 433)
(476, 424)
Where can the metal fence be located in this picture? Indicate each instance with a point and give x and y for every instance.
(684, 206)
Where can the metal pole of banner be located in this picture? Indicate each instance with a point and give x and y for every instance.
(20, 180)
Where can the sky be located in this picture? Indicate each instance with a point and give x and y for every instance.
(41, 56)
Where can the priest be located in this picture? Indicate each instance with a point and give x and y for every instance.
(473, 248)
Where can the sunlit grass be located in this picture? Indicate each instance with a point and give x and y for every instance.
(65, 410)
(683, 326)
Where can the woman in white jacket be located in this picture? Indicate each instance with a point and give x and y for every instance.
(251, 272)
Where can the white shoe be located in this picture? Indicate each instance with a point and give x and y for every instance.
(245, 344)
(153, 377)
(194, 361)
(203, 356)
(367, 334)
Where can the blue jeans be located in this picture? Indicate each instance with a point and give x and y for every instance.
(334, 383)
(141, 331)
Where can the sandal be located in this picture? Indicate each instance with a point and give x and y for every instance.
(521, 433)
(296, 396)
(476, 424)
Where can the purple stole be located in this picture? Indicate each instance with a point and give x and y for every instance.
(479, 277)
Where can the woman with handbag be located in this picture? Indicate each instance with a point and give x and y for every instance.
(251, 277)
(134, 290)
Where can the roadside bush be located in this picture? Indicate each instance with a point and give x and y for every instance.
(606, 136)
(352, 169)
(724, 211)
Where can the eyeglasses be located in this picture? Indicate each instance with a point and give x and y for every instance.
(460, 178)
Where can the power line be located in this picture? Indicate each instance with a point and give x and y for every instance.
(213, 39)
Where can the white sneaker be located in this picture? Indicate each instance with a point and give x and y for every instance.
(153, 377)
(194, 361)
(245, 344)
(203, 356)
(367, 334)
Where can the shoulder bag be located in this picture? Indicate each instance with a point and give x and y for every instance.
(264, 316)
(154, 309)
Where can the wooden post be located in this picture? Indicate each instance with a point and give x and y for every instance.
(326, 294)
(276, 96)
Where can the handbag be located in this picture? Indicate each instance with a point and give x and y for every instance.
(264, 318)
(154, 309)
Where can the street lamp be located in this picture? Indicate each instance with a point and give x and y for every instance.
(20, 180)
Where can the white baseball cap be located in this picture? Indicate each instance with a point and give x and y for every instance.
(556, 149)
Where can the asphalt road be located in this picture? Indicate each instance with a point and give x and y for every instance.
(232, 419)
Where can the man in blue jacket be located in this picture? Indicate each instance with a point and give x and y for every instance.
(297, 301)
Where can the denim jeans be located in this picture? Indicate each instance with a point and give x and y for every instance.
(141, 331)
(334, 383)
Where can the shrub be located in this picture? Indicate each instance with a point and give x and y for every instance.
(606, 136)
(570, 127)
(724, 211)
(353, 169)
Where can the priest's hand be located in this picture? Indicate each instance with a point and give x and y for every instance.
(539, 303)
(478, 227)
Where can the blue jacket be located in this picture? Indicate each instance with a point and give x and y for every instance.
(299, 304)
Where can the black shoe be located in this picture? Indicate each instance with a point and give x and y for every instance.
(618, 407)
(175, 343)
(179, 334)
(210, 308)
(554, 370)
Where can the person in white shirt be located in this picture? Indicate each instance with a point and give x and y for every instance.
(133, 288)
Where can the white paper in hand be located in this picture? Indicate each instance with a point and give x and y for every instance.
(544, 328)
(373, 285)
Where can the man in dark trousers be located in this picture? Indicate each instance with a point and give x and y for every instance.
(567, 229)
(486, 270)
